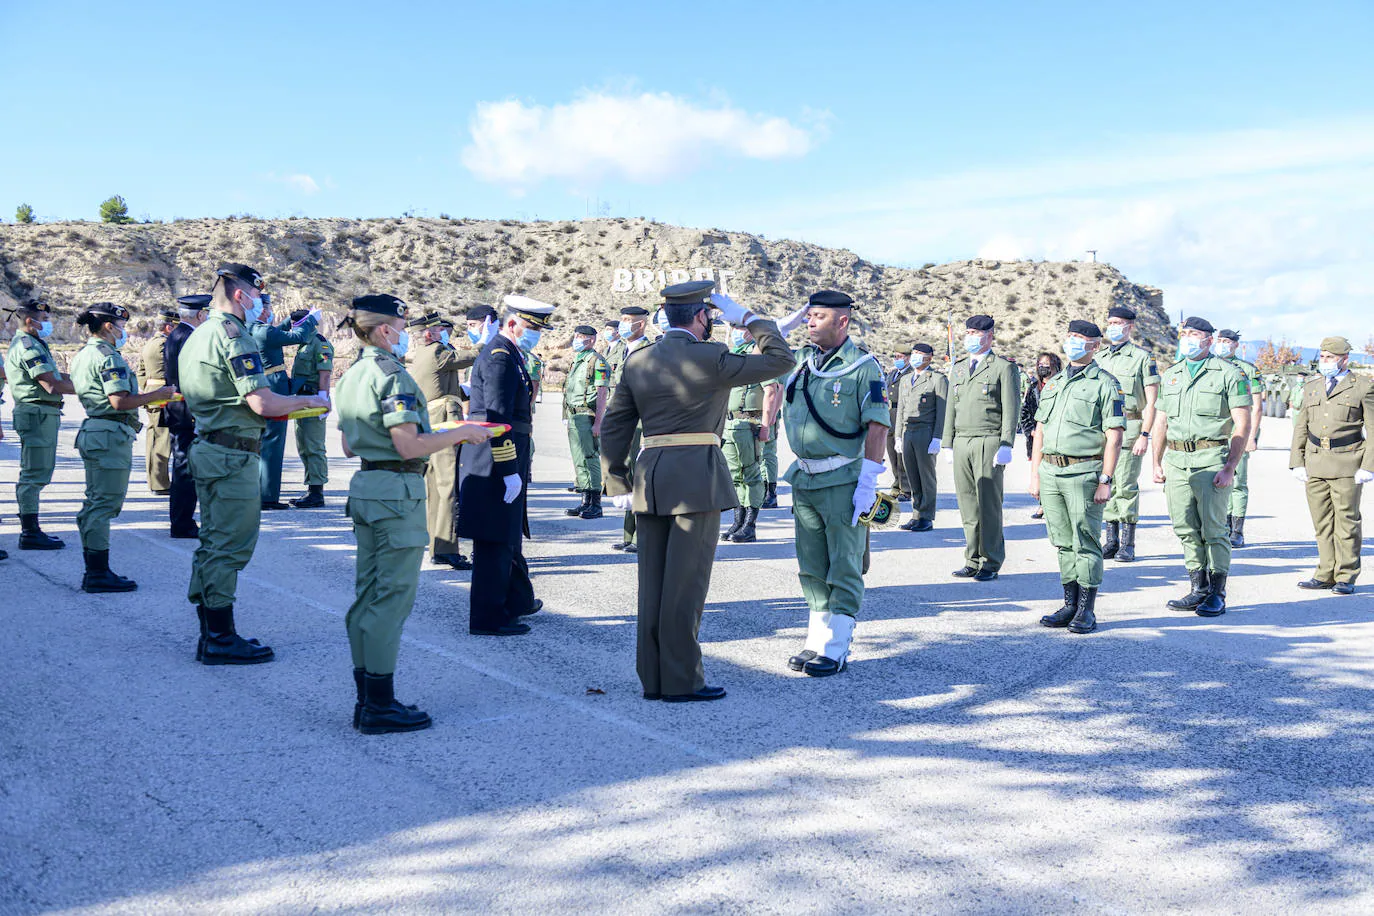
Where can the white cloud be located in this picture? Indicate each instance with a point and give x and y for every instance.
(642, 138)
(300, 181)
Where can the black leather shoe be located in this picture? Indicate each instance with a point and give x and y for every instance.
(770, 496)
(275, 507)
(798, 661)
(314, 499)
(538, 606)
(1189, 602)
(31, 537)
(1314, 584)
(923, 524)
(1343, 588)
(964, 572)
(630, 548)
(98, 578)
(909, 525)
(4, 555)
(1238, 531)
(820, 666)
(451, 560)
(189, 535)
(730, 532)
(618, 545)
(1061, 617)
(460, 562)
(746, 533)
(223, 644)
(382, 714)
(577, 510)
(510, 629)
(985, 575)
(701, 696)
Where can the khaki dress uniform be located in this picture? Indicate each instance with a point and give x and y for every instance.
(1198, 399)
(896, 453)
(1135, 369)
(152, 373)
(437, 369)
(628, 347)
(980, 418)
(588, 375)
(921, 399)
(37, 416)
(1331, 440)
(311, 359)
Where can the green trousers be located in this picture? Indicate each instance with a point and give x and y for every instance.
(37, 429)
(744, 458)
(769, 450)
(586, 452)
(1335, 508)
(978, 485)
(310, 434)
(1074, 520)
(1198, 509)
(158, 456)
(676, 553)
(920, 468)
(830, 551)
(1240, 490)
(107, 451)
(230, 509)
(1124, 506)
(630, 516)
(391, 537)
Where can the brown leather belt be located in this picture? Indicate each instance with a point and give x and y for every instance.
(1337, 442)
(1180, 445)
(273, 370)
(581, 412)
(1063, 461)
(229, 440)
(413, 466)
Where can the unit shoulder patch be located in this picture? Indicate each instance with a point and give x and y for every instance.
(400, 403)
(246, 364)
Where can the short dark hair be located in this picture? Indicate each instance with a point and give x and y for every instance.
(679, 315)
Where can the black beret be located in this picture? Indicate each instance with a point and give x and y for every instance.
(979, 323)
(381, 304)
(635, 311)
(33, 303)
(923, 348)
(693, 292)
(243, 273)
(612, 324)
(1229, 334)
(1198, 324)
(109, 310)
(585, 330)
(1086, 328)
(299, 314)
(1120, 311)
(197, 301)
(830, 299)
(481, 313)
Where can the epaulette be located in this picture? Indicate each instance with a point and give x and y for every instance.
(231, 330)
(321, 337)
(105, 348)
(391, 366)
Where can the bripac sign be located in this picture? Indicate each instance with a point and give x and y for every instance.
(644, 280)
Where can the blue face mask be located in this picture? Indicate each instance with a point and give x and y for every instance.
(662, 321)
(1191, 348)
(1075, 348)
(473, 335)
(899, 363)
(1223, 348)
(121, 340)
(253, 314)
(973, 342)
(443, 337)
(624, 328)
(1329, 367)
(579, 344)
(401, 346)
(45, 329)
(529, 339)
(1116, 333)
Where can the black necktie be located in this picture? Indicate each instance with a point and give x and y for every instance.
(1330, 385)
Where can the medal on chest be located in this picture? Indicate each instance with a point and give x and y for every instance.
(835, 399)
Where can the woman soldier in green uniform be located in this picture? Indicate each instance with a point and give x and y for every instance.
(109, 393)
(385, 422)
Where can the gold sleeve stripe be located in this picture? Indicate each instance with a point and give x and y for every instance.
(504, 452)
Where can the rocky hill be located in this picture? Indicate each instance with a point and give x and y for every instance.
(589, 268)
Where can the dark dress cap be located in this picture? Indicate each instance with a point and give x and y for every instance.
(693, 292)
(480, 313)
(585, 330)
(197, 301)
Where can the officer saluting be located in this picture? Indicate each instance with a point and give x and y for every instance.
(678, 389)
(921, 398)
(1136, 371)
(493, 477)
(1199, 437)
(1332, 455)
(836, 417)
(1077, 442)
(437, 369)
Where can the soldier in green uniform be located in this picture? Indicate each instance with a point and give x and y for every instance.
(980, 424)
(311, 373)
(768, 444)
(1225, 348)
(1136, 370)
(272, 338)
(741, 446)
(585, 394)
(1199, 437)
(1332, 456)
(220, 372)
(1078, 429)
(901, 484)
(37, 388)
(837, 415)
(633, 318)
(385, 422)
(152, 373)
(921, 397)
(608, 338)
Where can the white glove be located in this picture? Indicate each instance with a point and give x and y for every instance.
(793, 321)
(513, 485)
(934, 447)
(1363, 476)
(1003, 456)
(623, 503)
(1301, 474)
(730, 310)
(487, 333)
(324, 396)
(867, 490)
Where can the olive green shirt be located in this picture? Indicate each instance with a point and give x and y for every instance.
(374, 395)
(626, 348)
(312, 358)
(984, 401)
(588, 374)
(848, 390)
(219, 364)
(27, 359)
(1134, 368)
(1199, 406)
(921, 399)
(99, 371)
(746, 397)
(1251, 372)
(1077, 409)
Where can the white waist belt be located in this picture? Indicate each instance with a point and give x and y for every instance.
(821, 465)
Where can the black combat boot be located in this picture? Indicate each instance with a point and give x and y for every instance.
(98, 578)
(1214, 605)
(746, 532)
(1061, 617)
(770, 496)
(577, 510)
(1084, 621)
(593, 509)
(1190, 601)
(381, 713)
(734, 529)
(1112, 543)
(362, 695)
(1238, 531)
(313, 499)
(200, 643)
(223, 644)
(31, 537)
(1127, 552)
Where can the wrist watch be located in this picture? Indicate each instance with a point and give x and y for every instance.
(1104, 478)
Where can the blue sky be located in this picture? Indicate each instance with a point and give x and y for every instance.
(1222, 151)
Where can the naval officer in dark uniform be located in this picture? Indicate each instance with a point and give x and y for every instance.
(181, 506)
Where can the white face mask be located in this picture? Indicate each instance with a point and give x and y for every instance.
(1191, 348)
(1329, 367)
(1223, 348)
(251, 315)
(1075, 348)
(579, 344)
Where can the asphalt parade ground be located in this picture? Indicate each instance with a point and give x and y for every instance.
(969, 760)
